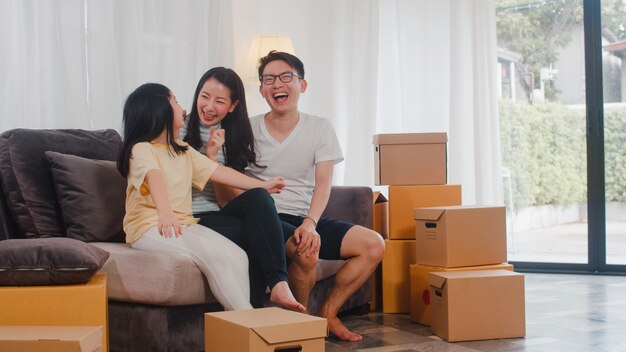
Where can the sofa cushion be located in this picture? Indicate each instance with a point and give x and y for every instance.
(48, 261)
(91, 194)
(26, 177)
(166, 279)
(158, 278)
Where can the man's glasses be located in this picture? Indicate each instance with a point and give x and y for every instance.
(284, 77)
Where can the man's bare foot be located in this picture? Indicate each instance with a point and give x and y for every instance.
(336, 328)
(282, 295)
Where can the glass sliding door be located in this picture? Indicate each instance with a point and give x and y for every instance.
(613, 21)
(541, 63)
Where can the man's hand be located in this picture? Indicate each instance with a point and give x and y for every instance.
(307, 238)
(215, 142)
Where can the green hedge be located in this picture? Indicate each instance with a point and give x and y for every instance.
(615, 154)
(543, 146)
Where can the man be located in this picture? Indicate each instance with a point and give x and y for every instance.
(304, 149)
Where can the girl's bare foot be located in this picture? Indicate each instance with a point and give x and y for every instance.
(281, 295)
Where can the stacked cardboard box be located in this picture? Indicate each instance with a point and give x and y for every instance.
(414, 166)
(441, 256)
(61, 305)
(477, 305)
(51, 338)
(460, 251)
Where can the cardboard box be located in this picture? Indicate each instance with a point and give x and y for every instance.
(460, 235)
(381, 215)
(50, 338)
(420, 292)
(477, 305)
(410, 159)
(264, 329)
(404, 199)
(399, 255)
(62, 305)
(377, 289)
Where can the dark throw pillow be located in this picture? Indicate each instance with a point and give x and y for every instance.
(26, 178)
(92, 196)
(48, 261)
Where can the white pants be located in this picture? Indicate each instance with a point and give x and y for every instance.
(224, 264)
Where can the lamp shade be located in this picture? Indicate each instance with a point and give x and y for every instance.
(263, 44)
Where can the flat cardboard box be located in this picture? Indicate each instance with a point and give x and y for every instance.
(420, 293)
(399, 255)
(410, 159)
(263, 329)
(50, 338)
(381, 214)
(477, 305)
(61, 305)
(404, 199)
(456, 236)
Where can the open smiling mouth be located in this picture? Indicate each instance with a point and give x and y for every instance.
(280, 97)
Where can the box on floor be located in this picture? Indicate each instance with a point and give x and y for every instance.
(377, 288)
(456, 236)
(477, 305)
(399, 255)
(63, 305)
(410, 159)
(420, 292)
(50, 338)
(264, 329)
(404, 199)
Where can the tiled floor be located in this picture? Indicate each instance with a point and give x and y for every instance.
(563, 313)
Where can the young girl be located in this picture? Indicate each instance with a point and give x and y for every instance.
(161, 171)
(218, 126)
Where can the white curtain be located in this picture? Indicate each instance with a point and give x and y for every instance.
(436, 73)
(373, 66)
(71, 63)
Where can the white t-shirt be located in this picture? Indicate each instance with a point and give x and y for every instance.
(313, 140)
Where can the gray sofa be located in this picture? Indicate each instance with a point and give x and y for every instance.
(156, 300)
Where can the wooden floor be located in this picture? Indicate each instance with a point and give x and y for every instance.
(563, 313)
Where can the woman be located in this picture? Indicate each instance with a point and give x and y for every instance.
(219, 116)
(160, 172)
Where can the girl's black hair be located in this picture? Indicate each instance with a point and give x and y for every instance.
(147, 112)
(239, 145)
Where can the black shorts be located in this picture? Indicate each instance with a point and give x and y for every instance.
(331, 233)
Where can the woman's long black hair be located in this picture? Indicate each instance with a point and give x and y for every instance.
(239, 141)
(147, 112)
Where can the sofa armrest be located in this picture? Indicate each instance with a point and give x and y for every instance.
(352, 204)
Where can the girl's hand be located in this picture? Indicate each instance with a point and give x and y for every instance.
(215, 142)
(274, 185)
(168, 225)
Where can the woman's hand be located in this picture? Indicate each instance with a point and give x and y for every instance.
(274, 185)
(215, 142)
(168, 225)
(307, 238)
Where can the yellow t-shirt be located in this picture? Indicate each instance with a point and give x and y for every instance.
(180, 172)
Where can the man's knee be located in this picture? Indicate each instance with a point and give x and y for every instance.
(363, 242)
(376, 247)
(303, 262)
